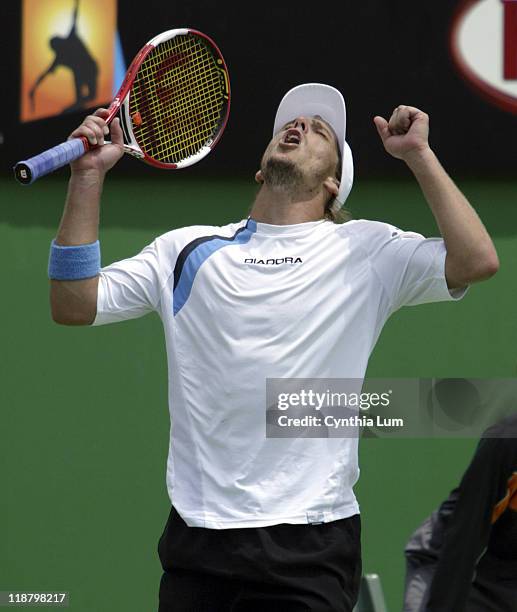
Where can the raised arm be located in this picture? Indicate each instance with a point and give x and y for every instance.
(74, 18)
(471, 255)
(74, 302)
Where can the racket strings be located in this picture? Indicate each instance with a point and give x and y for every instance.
(183, 115)
(180, 93)
(198, 99)
(197, 114)
(179, 102)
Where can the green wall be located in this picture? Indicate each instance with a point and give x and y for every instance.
(84, 420)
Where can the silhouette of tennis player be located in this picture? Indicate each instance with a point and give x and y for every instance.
(72, 53)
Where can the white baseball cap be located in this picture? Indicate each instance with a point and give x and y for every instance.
(312, 99)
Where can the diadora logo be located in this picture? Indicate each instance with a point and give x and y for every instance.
(484, 48)
(273, 262)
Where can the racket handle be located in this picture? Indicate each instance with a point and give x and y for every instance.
(28, 170)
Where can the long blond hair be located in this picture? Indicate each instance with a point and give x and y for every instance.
(336, 213)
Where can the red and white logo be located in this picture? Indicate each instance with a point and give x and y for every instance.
(484, 48)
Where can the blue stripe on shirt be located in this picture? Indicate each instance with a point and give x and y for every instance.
(199, 255)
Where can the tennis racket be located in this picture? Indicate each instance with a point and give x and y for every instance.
(173, 106)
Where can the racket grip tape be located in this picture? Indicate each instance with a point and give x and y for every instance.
(29, 170)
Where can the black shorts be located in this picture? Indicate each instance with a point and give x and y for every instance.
(288, 568)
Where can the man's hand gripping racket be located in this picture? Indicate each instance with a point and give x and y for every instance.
(172, 109)
(103, 154)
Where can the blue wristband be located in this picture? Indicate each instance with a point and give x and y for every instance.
(74, 262)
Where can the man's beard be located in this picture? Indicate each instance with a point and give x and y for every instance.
(283, 175)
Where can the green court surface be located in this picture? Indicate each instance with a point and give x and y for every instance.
(84, 427)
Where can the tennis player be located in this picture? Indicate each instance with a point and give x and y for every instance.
(260, 523)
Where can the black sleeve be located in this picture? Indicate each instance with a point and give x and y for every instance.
(422, 552)
(483, 485)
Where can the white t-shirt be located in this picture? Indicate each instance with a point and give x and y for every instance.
(249, 301)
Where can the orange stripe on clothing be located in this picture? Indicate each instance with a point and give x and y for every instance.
(509, 501)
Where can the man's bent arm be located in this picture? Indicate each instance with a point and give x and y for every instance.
(471, 255)
(74, 302)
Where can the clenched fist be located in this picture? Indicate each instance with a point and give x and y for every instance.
(406, 134)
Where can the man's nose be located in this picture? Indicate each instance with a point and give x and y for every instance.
(302, 123)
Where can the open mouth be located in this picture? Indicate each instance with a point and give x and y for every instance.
(292, 137)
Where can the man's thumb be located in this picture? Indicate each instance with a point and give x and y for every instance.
(117, 137)
(382, 127)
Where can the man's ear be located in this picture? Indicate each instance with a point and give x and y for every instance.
(331, 184)
(258, 177)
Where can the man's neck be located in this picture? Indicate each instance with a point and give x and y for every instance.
(279, 208)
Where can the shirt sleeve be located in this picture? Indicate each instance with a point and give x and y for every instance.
(129, 288)
(410, 268)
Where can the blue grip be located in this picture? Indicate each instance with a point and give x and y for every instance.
(29, 170)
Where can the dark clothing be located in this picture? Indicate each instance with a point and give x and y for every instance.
(463, 558)
(291, 568)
